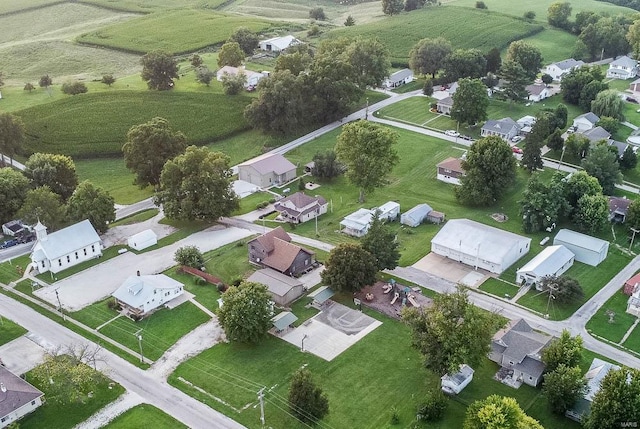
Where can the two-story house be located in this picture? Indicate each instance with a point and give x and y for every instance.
(275, 250)
(623, 68)
(299, 207)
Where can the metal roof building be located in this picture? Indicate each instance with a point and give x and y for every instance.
(588, 250)
(552, 261)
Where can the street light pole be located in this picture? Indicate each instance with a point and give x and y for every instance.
(564, 147)
(139, 337)
(261, 398)
(366, 111)
(304, 337)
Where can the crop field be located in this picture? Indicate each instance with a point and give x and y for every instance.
(90, 125)
(146, 6)
(463, 27)
(177, 31)
(13, 6)
(555, 45)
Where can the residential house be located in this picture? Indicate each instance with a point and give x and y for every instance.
(594, 376)
(526, 124)
(631, 284)
(620, 147)
(518, 348)
(274, 249)
(559, 69)
(537, 92)
(419, 214)
(283, 289)
(253, 77)
(633, 304)
(65, 248)
(388, 212)
(13, 227)
(143, 240)
(505, 128)
(450, 171)
(585, 122)
(588, 250)
(479, 245)
(357, 223)
(399, 78)
(17, 397)
(278, 44)
(299, 207)
(622, 68)
(267, 170)
(453, 384)
(596, 134)
(552, 261)
(445, 105)
(140, 296)
(453, 88)
(635, 86)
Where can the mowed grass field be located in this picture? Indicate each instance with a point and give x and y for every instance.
(92, 125)
(12, 6)
(176, 31)
(144, 415)
(146, 6)
(463, 27)
(555, 45)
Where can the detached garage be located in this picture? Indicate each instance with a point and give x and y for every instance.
(142, 240)
(588, 250)
(479, 245)
(552, 261)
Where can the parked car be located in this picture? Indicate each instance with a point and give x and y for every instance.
(517, 139)
(452, 133)
(571, 130)
(8, 243)
(516, 149)
(465, 137)
(632, 100)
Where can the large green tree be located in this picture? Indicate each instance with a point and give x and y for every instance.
(11, 136)
(247, 39)
(602, 164)
(617, 403)
(246, 313)
(470, 102)
(366, 149)
(451, 332)
(516, 81)
(629, 159)
(295, 62)
(159, 69)
(428, 55)
(633, 37)
(494, 60)
(58, 172)
(590, 92)
(231, 54)
(608, 103)
(542, 204)
(490, 169)
(592, 213)
(392, 7)
(190, 256)
(349, 268)
(461, 63)
(581, 183)
(197, 185)
(326, 165)
(532, 155)
(558, 14)
(632, 219)
(527, 55)
(13, 188)
(563, 387)
(307, 402)
(565, 290)
(577, 145)
(566, 350)
(498, 412)
(574, 82)
(93, 203)
(44, 205)
(381, 242)
(370, 61)
(148, 147)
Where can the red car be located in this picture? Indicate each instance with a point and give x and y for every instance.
(516, 149)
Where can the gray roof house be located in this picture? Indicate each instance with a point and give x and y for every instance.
(585, 122)
(618, 208)
(559, 69)
(419, 214)
(398, 78)
(596, 134)
(267, 170)
(620, 146)
(622, 68)
(518, 347)
(299, 207)
(17, 397)
(597, 371)
(537, 92)
(505, 128)
(552, 261)
(142, 295)
(65, 248)
(283, 289)
(588, 250)
(445, 105)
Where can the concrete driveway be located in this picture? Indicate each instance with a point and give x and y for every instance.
(100, 281)
(21, 355)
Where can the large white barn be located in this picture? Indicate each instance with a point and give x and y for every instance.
(552, 261)
(588, 250)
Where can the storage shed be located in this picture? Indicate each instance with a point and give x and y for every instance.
(552, 261)
(588, 250)
(389, 211)
(453, 384)
(416, 215)
(142, 240)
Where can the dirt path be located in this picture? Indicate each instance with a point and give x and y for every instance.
(105, 415)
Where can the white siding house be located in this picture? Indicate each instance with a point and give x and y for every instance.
(253, 77)
(17, 397)
(299, 207)
(505, 128)
(537, 92)
(585, 122)
(65, 248)
(141, 295)
(552, 261)
(399, 78)
(416, 215)
(389, 211)
(623, 68)
(559, 69)
(357, 223)
(588, 250)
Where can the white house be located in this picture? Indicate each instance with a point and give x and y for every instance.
(445, 105)
(141, 295)
(526, 123)
(588, 250)
(17, 397)
(65, 248)
(537, 92)
(622, 68)
(388, 212)
(299, 207)
(479, 245)
(253, 77)
(559, 69)
(399, 78)
(597, 371)
(278, 44)
(267, 170)
(357, 223)
(453, 384)
(552, 261)
(585, 122)
(633, 304)
(142, 240)
(505, 128)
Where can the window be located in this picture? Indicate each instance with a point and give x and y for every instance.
(33, 402)
(42, 264)
(93, 248)
(167, 293)
(59, 262)
(4, 419)
(68, 259)
(85, 252)
(76, 255)
(306, 262)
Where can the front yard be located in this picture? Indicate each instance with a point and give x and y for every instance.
(144, 415)
(9, 330)
(614, 328)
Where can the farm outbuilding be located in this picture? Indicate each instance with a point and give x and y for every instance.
(479, 245)
(142, 240)
(283, 289)
(389, 211)
(588, 250)
(454, 383)
(552, 261)
(419, 214)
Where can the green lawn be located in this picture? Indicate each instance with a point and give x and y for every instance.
(113, 176)
(499, 288)
(599, 323)
(501, 109)
(554, 44)
(633, 342)
(9, 330)
(144, 415)
(414, 110)
(136, 218)
(146, 6)
(59, 416)
(10, 271)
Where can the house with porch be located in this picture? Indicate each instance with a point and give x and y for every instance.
(445, 105)
(537, 92)
(450, 171)
(139, 296)
(622, 68)
(299, 207)
(585, 122)
(17, 398)
(399, 78)
(267, 170)
(505, 128)
(357, 223)
(275, 250)
(561, 68)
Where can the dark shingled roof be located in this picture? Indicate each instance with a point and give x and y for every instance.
(18, 392)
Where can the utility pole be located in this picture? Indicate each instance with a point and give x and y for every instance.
(261, 399)
(366, 111)
(139, 337)
(633, 237)
(64, 318)
(562, 156)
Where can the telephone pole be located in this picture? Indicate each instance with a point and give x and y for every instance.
(261, 399)
(64, 318)
(139, 337)
(633, 237)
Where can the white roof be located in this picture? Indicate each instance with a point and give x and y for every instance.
(282, 42)
(474, 238)
(527, 120)
(581, 240)
(387, 207)
(459, 377)
(594, 376)
(624, 61)
(358, 220)
(68, 240)
(400, 75)
(549, 261)
(589, 116)
(277, 283)
(232, 71)
(137, 290)
(418, 213)
(567, 64)
(146, 235)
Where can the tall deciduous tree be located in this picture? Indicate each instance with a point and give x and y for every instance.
(451, 332)
(45, 81)
(159, 69)
(326, 165)
(307, 402)
(247, 39)
(581, 183)
(11, 136)
(470, 102)
(490, 169)
(564, 289)
(58, 172)
(381, 242)
(566, 350)
(366, 149)
(617, 403)
(204, 75)
(558, 14)
(148, 147)
(574, 82)
(392, 7)
(498, 412)
(632, 219)
(349, 268)
(590, 92)
(577, 145)
(461, 63)
(189, 256)
(13, 188)
(494, 60)
(602, 164)
(516, 81)
(592, 213)
(246, 313)
(370, 61)
(108, 79)
(197, 185)
(532, 155)
(44, 205)
(563, 387)
(295, 62)
(231, 54)
(527, 55)
(633, 37)
(542, 205)
(93, 203)
(629, 159)
(555, 140)
(428, 55)
(608, 103)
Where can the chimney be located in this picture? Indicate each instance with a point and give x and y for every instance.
(138, 273)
